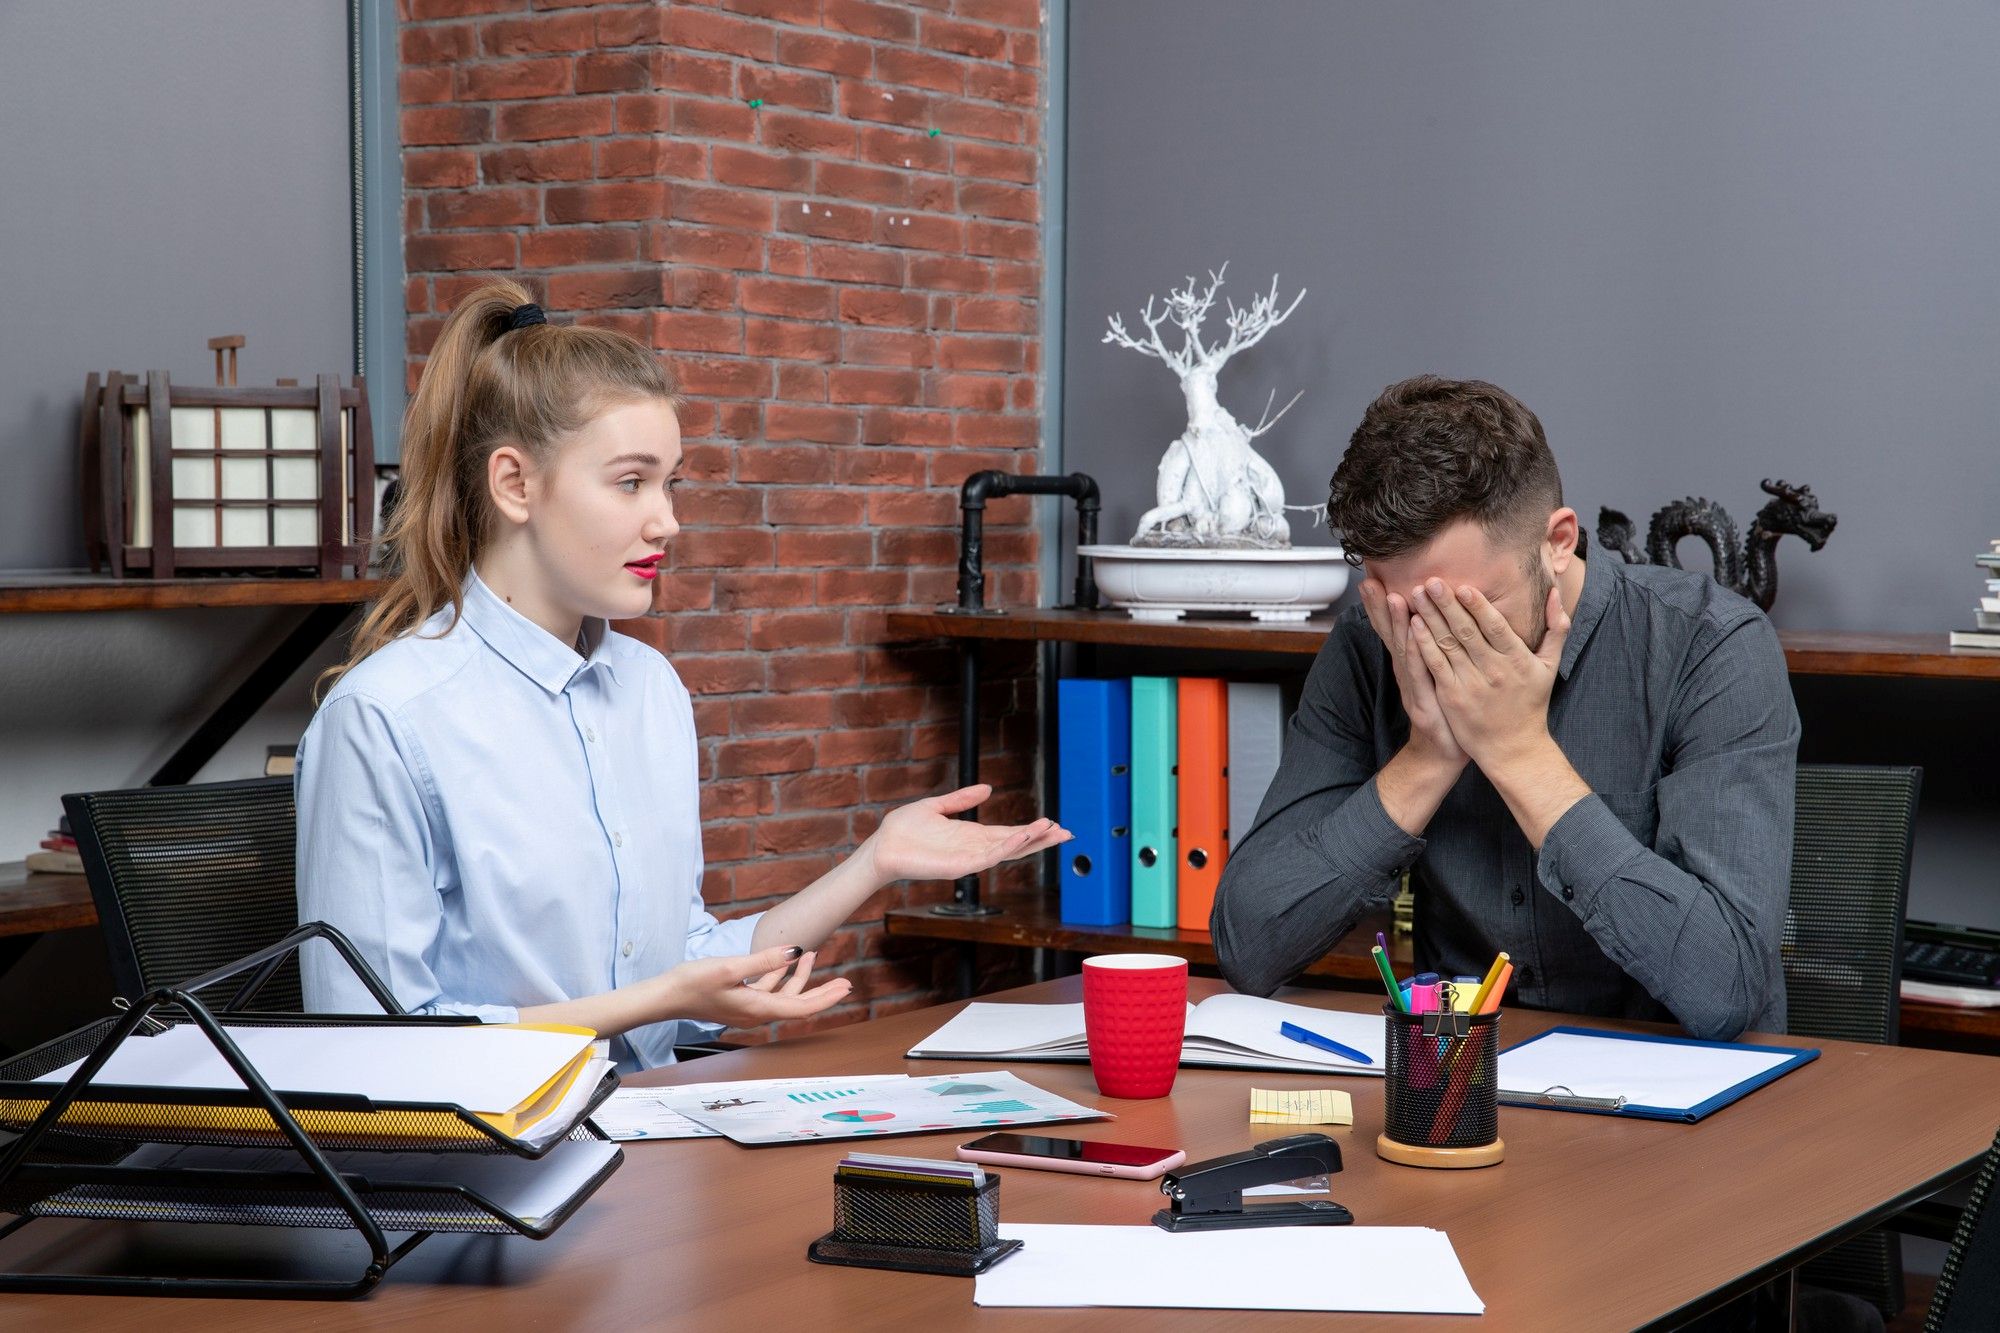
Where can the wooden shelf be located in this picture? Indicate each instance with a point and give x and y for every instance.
(1114, 627)
(32, 903)
(1028, 921)
(1836, 653)
(45, 591)
(1807, 652)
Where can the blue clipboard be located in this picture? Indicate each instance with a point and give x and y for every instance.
(1551, 1100)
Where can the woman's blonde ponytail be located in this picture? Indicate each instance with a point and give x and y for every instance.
(486, 383)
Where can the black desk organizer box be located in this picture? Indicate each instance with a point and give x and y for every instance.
(914, 1227)
(74, 1170)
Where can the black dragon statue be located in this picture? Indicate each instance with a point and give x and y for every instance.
(1749, 567)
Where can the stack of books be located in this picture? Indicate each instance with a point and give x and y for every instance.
(57, 854)
(1986, 618)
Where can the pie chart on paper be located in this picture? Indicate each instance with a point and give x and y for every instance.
(858, 1117)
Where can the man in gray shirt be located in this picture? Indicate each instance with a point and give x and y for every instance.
(1586, 764)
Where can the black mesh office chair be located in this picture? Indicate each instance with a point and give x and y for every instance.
(1967, 1299)
(1843, 954)
(187, 879)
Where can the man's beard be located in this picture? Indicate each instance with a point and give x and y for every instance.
(1538, 606)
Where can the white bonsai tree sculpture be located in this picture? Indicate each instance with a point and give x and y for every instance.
(1214, 488)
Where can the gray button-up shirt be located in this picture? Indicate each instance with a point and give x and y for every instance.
(1661, 895)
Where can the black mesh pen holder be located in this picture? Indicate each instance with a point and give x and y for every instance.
(914, 1226)
(1440, 1090)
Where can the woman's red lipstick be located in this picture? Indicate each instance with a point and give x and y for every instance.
(647, 566)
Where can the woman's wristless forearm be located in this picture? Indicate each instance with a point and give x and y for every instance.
(816, 911)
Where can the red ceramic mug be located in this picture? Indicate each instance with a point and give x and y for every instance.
(1134, 1015)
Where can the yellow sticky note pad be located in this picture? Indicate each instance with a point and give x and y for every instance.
(1300, 1106)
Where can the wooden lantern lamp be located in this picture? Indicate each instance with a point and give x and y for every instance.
(226, 480)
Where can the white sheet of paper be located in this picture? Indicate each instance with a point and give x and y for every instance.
(1644, 1073)
(480, 1066)
(646, 1113)
(559, 1122)
(1402, 1269)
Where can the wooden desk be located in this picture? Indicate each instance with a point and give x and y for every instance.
(1590, 1223)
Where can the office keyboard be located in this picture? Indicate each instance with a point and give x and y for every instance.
(1952, 955)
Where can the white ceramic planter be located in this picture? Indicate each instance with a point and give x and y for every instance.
(1165, 583)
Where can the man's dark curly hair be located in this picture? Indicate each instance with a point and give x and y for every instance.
(1429, 451)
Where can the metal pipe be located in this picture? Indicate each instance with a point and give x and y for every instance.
(983, 486)
(977, 490)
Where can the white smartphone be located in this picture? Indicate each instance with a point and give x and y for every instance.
(1127, 1161)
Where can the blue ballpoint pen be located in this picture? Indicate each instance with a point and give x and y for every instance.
(1309, 1038)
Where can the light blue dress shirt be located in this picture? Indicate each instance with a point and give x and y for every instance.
(496, 822)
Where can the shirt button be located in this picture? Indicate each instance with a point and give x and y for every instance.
(627, 951)
(618, 840)
(1519, 897)
(589, 734)
(1569, 895)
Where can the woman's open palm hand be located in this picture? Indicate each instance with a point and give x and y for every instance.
(923, 841)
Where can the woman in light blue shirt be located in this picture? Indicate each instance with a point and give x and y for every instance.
(498, 799)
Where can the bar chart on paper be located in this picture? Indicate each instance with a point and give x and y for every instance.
(895, 1104)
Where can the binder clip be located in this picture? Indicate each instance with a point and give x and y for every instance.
(1446, 1023)
(1208, 1196)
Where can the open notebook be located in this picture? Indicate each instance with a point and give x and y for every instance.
(1226, 1031)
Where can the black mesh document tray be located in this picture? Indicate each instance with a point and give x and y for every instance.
(82, 1148)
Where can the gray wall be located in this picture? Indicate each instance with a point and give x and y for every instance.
(1706, 242)
(171, 172)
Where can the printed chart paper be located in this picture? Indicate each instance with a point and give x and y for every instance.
(657, 1113)
(858, 1107)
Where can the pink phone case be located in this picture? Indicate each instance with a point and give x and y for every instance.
(1150, 1171)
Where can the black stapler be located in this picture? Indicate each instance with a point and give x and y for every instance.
(1208, 1196)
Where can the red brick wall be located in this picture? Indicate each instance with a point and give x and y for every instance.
(846, 279)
